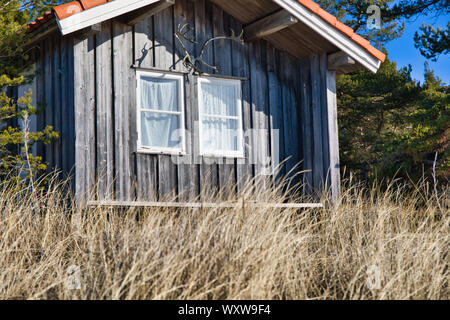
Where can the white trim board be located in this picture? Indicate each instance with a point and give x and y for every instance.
(99, 14)
(204, 205)
(330, 33)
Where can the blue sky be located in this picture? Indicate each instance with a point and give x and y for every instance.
(403, 52)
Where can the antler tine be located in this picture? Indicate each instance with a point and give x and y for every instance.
(184, 34)
(239, 38)
(193, 64)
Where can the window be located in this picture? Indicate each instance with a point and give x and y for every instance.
(220, 115)
(160, 105)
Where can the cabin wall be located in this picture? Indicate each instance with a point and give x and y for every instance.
(283, 96)
(54, 96)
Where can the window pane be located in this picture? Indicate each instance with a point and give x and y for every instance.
(220, 135)
(219, 98)
(160, 130)
(231, 135)
(211, 134)
(159, 94)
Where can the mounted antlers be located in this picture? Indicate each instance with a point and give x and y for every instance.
(194, 64)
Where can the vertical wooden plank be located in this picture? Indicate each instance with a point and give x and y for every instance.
(307, 130)
(286, 103)
(167, 179)
(184, 11)
(105, 129)
(333, 131)
(164, 59)
(124, 95)
(40, 96)
(150, 191)
(293, 130)
(65, 105)
(143, 187)
(132, 115)
(297, 80)
(57, 84)
(70, 89)
(49, 98)
(324, 107)
(84, 107)
(222, 48)
(118, 77)
(204, 31)
(164, 39)
(144, 45)
(260, 108)
(91, 120)
(318, 170)
(67, 139)
(147, 177)
(276, 113)
(241, 68)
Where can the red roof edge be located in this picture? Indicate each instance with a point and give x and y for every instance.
(66, 10)
(332, 20)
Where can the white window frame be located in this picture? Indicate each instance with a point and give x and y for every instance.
(181, 107)
(237, 83)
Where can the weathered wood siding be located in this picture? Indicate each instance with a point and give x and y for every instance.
(284, 97)
(54, 95)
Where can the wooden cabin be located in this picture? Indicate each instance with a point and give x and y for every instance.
(157, 99)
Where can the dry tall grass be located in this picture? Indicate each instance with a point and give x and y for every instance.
(250, 253)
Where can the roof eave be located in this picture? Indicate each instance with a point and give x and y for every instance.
(99, 14)
(340, 40)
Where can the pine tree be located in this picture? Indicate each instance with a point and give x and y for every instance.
(371, 110)
(392, 125)
(430, 127)
(433, 42)
(16, 159)
(355, 14)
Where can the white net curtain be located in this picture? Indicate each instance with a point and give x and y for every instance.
(219, 116)
(160, 113)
